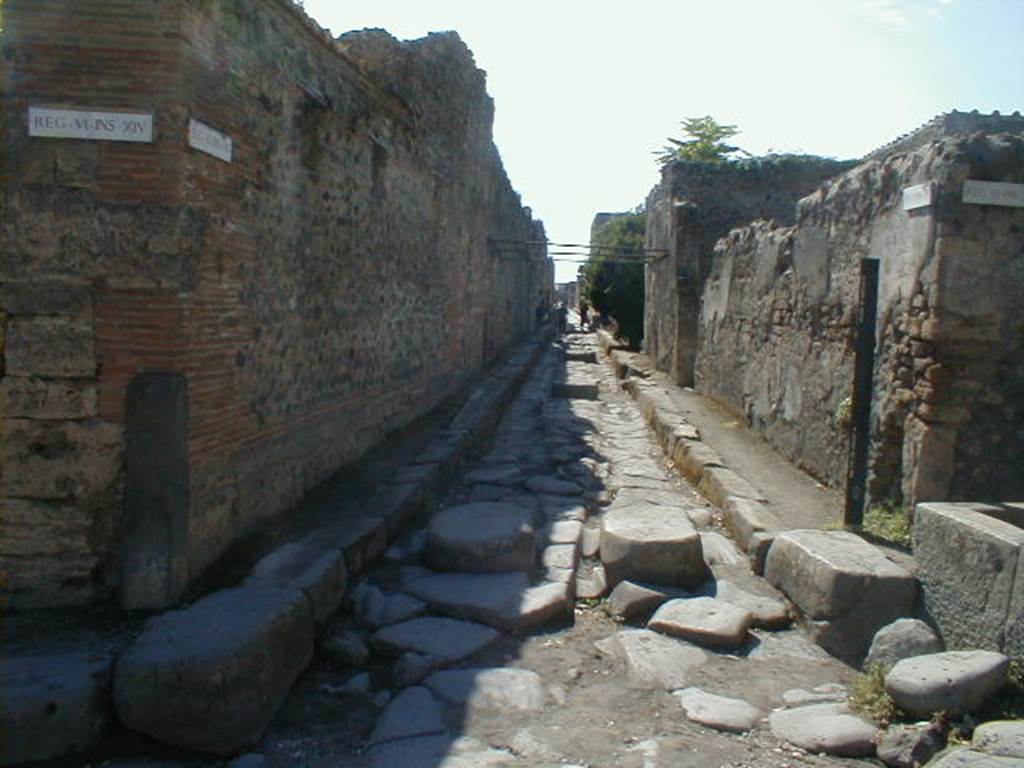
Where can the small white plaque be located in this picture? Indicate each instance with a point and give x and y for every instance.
(95, 126)
(208, 140)
(994, 193)
(918, 196)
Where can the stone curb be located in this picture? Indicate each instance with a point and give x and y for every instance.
(314, 571)
(746, 517)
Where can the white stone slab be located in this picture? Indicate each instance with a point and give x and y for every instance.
(209, 140)
(92, 126)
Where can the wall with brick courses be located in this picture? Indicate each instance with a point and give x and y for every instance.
(329, 285)
(778, 317)
(691, 208)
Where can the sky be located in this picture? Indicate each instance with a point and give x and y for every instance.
(587, 91)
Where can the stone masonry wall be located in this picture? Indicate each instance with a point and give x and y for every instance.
(694, 205)
(328, 285)
(778, 317)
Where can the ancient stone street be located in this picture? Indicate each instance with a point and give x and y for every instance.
(495, 662)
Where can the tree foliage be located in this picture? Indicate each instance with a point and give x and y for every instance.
(613, 277)
(703, 140)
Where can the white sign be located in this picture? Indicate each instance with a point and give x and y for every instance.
(994, 193)
(96, 126)
(208, 140)
(918, 196)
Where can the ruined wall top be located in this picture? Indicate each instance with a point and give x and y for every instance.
(949, 124)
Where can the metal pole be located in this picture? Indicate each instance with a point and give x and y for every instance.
(863, 380)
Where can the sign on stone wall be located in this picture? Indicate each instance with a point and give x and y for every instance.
(94, 126)
(993, 193)
(209, 140)
(918, 196)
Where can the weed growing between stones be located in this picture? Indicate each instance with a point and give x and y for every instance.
(890, 522)
(869, 697)
(1009, 703)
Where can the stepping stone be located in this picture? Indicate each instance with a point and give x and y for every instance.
(653, 544)
(509, 474)
(765, 611)
(703, 620)
(482, 537)
(562, 556)
(653, 660)
(902, 639)
(553, 485)
(668, 498)
(591, 543)
(502, 600)
(560, 508)
(1003, 738)
(718, 712)
(211, 677)
(629, 600)
(52, 705)
(955, 682)
(374, 609)
(500, 688)
(447, 639)
(847, 585)
(413, 712)
(828, 728)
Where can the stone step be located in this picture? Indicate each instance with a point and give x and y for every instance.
(481, 537)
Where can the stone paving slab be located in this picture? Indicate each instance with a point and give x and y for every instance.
(319, 572)
(648, 543)
(828, 728)
(653, 660)
(498, 688)
(447, 639)
(413, 712)
(719, 712)
(481, 537)
(703, 620)
(955, 682)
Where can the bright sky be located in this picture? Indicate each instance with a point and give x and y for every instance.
(586, 91)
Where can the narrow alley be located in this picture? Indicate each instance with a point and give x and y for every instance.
(489, 661)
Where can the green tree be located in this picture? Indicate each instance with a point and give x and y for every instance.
(614, 274)
(703, 140)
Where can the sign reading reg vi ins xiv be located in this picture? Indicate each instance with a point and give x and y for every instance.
(94, 126)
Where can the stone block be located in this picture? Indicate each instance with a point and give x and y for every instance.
(691, 457)
(26, 397)
(843, 583)
(954, 682)
(52, 706)
(212, 676)
(968, 564)
(396, 503)
(481, 537)
(61, 459)
(651, 543)
(50, 346)
(720, 483)
(320, 573)
(46, 296)
(745, 517)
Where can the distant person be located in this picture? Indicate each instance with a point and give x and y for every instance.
(541, 309)
(584, 319)
(562, 312)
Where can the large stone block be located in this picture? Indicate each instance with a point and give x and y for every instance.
(651, 543)
(481, 537)
(50, 346)
(318, 571)
(843, 583)
(52, 706)
(24, 397)
(968, 562)
(61, 460)
(211, 677)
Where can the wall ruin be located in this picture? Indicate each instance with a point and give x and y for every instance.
(269, 318)
(776, 334)
(691, 208)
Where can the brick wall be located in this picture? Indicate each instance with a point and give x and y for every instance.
(330, 284)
